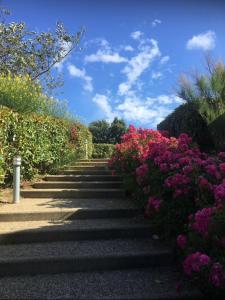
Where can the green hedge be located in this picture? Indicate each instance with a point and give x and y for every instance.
(102, 150)
(79, 133)
(187, 119)
(43, 142)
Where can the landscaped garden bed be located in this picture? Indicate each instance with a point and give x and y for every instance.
(183, 192)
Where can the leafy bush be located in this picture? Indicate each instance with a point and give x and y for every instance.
(102, 150)
(79, 134)
(105, 133)
(21, 94)
(205, 103)
(183, 191)
(43, 142)
(187, 119)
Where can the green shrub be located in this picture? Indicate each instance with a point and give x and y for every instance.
(79, 134)
(202, 116)
(21, 94)
(43, 142)
(102, 150)
(186, 119)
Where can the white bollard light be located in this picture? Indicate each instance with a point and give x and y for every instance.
(86, 149)
(16, 179)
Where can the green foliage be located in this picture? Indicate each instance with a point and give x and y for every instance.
(102, 150)
(43, 142)
(105, 133)
(100, 131)
(186, 119)
(21, 94)
(79, 134)
(23, 51)
(117, 129)
(202, 116)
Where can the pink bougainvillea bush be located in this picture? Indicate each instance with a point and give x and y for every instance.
(183, 191)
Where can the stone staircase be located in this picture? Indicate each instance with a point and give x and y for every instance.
(76, 236)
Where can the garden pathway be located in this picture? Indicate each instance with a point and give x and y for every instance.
(76, 236)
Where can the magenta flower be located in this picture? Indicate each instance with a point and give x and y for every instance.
(182, 241)
(217, 275)
(194, 262)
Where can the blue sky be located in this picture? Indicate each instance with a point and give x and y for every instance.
(133, 52)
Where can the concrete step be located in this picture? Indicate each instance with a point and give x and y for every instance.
(37, 209)
(73, 193)
(76, 256)
(85, 172)
(149, 283)
(78, 184)
(85, 168)
(82, 178)
(93, 160)
(89, 163)
(72, 230)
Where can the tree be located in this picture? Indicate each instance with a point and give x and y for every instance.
(106, 133)
(25, 52)
(117, 129)
(100, 131)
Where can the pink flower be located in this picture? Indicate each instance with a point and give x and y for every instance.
(202, 220)
(212, 170)
(217, 275)
(152, 206)
(142, 170)
(219, 192)
(194, 262)
(222, 167)
(204, 183)
(181, 241)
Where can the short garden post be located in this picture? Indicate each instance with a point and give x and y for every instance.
(86, 149)
(16, 179)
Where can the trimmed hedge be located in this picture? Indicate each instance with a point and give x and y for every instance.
(79, 133)
(43, 142)
(102, 150)
(187, 119)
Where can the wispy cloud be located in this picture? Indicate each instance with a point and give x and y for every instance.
(105, 55)
(148, 51)
(136, 35)
(128, 48)
(145, 111)
(156, 75)
(81, 73)
(156, 22)
(164, 60)
(103, 102)
(204, 41)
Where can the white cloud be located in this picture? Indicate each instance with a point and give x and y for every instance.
(136, 35)
(149, 50)
(204, 41)
(156, 75)
(101, 56)
(128, 48)
(156, 22)
(146, 112)
(76, 72)
(164, 59)
(105, 55)
(65, 46)
(164, 100)
(134, 109)
(103, 102)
